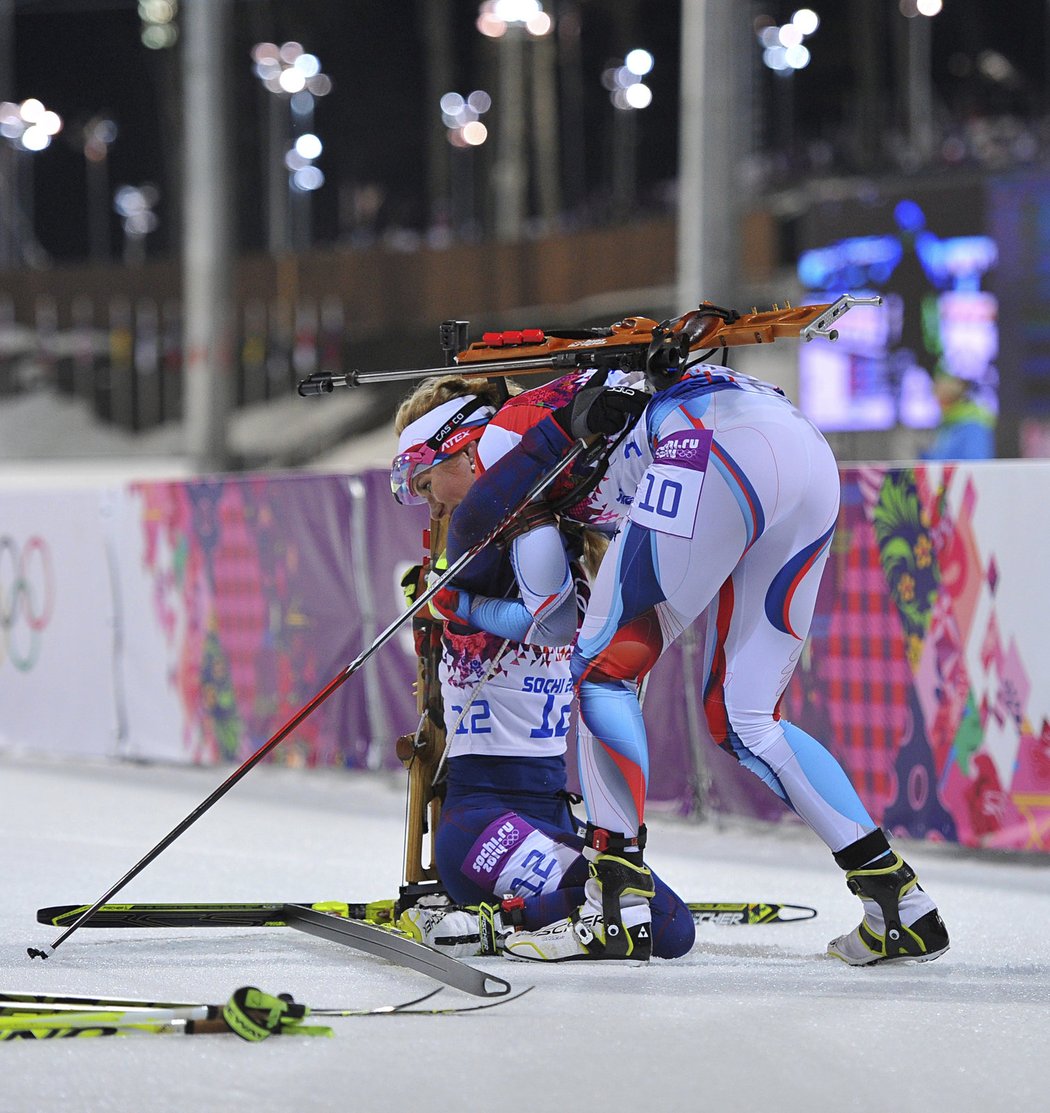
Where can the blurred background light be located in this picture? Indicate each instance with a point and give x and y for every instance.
(29, 125)
(638, 62)
(294, 75)
(309, 146)
(806, 20)
(496, 16)
(912, 8)
(623, 80)
(159, 29)
(782, 45)
(292, 80)
(475, 133)
(308, 179)
(638, 96)
(461, 116)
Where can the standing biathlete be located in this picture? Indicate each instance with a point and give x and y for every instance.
(506, 827)
(726, 498)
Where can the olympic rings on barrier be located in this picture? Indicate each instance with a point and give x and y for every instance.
(27, 599)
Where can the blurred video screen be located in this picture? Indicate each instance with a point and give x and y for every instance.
(935, 317)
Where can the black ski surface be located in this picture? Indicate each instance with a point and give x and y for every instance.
(150, 915)
(274, 914)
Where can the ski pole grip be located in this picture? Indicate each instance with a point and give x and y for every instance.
(318, 383)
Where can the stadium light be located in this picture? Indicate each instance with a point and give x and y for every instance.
(783, 45)
(623, 81)
(159, 29)
(135, 205)
(462, 118)
(495, 17)
(912, 8)
(28, 126)
(294, 75)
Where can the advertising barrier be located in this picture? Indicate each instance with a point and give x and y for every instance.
(188, 621)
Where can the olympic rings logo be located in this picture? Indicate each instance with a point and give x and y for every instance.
(27, 599)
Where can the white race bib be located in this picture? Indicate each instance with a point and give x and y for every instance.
(669, 493)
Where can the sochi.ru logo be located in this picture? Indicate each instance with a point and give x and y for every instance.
(27, 599)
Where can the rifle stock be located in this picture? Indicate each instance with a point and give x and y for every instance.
(421, 753)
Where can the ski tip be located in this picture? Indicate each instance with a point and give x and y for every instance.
(792, 912)
(501, 990)
(37, 952)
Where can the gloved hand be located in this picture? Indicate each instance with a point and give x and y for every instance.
(410, 583)
(451, 605)
(254, 1016)
(598, 409)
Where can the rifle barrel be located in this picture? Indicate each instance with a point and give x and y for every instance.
(474, 367)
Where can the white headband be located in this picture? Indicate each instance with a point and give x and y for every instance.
(423, 428)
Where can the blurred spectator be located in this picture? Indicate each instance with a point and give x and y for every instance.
(967, 428)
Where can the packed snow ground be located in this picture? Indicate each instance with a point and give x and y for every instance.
(754, 1018)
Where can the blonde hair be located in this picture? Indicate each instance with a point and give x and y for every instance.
(432, 393)
(435, 392)
(595, 545)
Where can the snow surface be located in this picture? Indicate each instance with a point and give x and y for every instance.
(755, 1018)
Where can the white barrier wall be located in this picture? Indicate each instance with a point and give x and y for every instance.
(58, 629)
(189, 621)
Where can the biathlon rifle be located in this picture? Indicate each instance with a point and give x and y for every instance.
(422, 751)
(663, 350)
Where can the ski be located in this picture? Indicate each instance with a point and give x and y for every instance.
(269, 914)
(274, 914)
(61, 1008)
(396, 948)
(55, 1029)
(139, 1010)
(732, 915)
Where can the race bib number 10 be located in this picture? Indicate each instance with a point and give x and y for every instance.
(669, 493)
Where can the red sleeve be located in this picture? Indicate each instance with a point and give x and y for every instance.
(520, 413)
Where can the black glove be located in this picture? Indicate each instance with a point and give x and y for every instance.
(601, 409)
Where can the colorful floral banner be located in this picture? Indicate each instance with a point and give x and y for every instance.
(191, 621)
(928, 670)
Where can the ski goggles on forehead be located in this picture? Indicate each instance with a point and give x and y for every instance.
(452, 436)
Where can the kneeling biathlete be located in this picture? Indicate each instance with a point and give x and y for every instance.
(506, 827)
(724, 499)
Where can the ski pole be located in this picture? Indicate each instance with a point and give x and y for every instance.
(537, 489)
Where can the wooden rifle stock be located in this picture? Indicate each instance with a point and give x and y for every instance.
(421, 753)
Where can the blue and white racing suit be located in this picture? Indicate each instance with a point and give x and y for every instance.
(724, 499)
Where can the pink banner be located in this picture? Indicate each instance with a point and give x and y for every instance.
(927, 669)
(188, 621)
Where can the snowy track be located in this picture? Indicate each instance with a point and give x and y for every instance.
(754, 1018)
